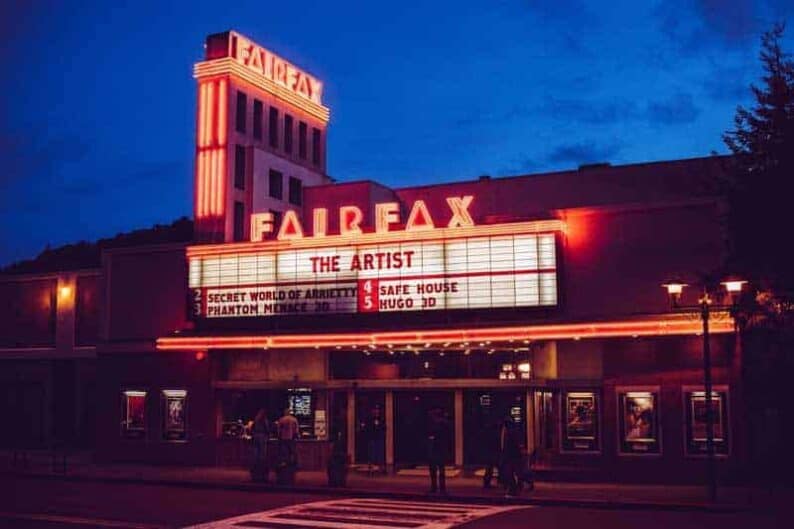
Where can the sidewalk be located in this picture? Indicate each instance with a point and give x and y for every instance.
(79, 467)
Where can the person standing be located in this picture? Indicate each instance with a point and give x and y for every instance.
(510, 449)
(490, 444)
(260, 432)
(437, 429)
(376, 441)
(287, 427)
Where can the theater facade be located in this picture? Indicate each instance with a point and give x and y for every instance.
(534, 298)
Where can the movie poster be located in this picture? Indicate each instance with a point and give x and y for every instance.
(695, 405)
(639, 424)
(174, 422)
(580, 422)
(133, 424)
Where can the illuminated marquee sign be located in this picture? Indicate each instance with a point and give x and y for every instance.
(461, 266)
(276, 69)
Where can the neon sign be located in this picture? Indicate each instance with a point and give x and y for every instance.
(273, 67)
(351, 218)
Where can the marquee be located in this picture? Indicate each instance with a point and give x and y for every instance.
(473, 267)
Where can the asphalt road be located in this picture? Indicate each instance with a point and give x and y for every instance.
(49, 504)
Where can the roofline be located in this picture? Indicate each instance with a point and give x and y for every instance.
(10, 277)
(526, 175)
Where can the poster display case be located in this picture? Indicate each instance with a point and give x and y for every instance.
(639, 427)
(133, 414)
(695, 420)
(174, 417)
(580, 428)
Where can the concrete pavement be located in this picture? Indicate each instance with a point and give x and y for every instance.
(79, 467)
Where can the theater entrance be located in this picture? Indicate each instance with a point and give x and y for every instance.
(484, 412)
(411, 415)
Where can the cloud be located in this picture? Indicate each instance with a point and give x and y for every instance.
(693, 27)
(583, 152)
(589, 111)
(675, 110)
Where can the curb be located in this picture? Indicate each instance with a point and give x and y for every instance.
(407, 496)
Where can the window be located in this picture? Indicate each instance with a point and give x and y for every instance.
(133, 414)
(257, 119)
(276, 184)
(273, 127)
(276, 220)
(316, 146)
(242, 102)
(287, 133)
(239, 221)
(295, 190)
(302, 140)
(174, 419)
(239, 167)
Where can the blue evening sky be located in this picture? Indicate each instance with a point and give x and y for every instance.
(97, 105)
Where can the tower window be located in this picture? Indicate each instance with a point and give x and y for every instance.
(257, 119)
(276, 183)
(295, 191)
(242, 103)
(273, 127)
(302, 140)
(239, 221)
(316, 140)
(239, 167)
(287, 133)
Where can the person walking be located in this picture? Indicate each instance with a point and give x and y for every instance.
(287, 427)
(260, 433)
(437, 431)
(510, 448)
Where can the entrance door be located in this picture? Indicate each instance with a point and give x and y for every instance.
(411, 415)
(483, 413)
(370, 427)
(545, 432)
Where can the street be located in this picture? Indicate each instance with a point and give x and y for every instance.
(54, 503)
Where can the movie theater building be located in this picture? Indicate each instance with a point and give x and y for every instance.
(536, 298)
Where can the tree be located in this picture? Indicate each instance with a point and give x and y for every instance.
(761, 208)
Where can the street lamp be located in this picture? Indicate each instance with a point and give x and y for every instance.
(733, 288)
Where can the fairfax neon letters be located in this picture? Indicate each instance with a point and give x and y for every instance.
(277, 69)
(387, 215)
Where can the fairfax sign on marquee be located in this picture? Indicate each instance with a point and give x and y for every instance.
(424, 267)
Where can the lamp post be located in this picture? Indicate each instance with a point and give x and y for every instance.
(704, 307)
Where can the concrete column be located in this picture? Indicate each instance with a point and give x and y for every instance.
(390, 431)
(530, 408)
(351, 425)
(458, 427)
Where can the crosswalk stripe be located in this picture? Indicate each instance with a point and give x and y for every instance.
(361, 513)
(467, 506)
(424, 507)
(373, 512)
(303, 515)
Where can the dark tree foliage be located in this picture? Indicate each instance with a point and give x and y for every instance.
(88, 254)
(761, 203)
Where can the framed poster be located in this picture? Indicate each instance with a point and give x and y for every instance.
(580, 422)
(133, 414)
(174, 418)
(639, 430)
(695, 420)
